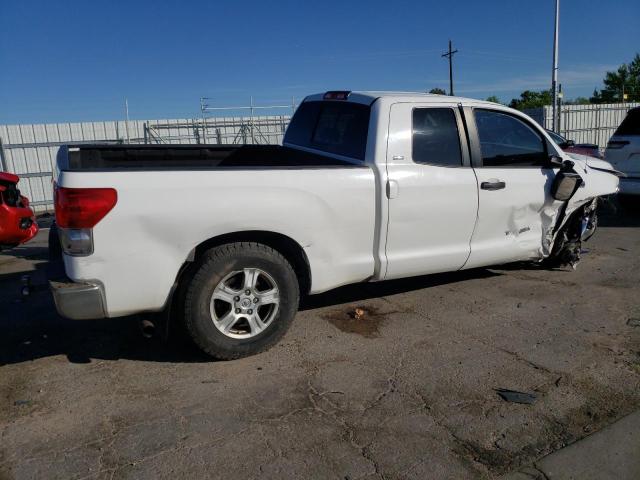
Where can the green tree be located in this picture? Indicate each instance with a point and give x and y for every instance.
(626, 78)
(437, 91)
(577, 101)
(531, 99)
(493, 99)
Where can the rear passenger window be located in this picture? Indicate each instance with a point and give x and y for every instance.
(435, 138)
(507, 141)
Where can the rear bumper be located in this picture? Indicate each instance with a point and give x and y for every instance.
(78, 301)
(630, 186)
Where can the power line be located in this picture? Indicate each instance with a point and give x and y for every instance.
(449, 55)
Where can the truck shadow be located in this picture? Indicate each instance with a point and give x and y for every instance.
(364, 291)
(30, 328)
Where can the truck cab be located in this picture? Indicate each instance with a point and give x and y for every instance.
(465, 183)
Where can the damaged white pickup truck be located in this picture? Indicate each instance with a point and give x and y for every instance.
(366, 187)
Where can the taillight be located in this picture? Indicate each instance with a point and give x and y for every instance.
(83, 207)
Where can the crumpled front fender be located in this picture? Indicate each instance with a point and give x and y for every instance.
(599, 179)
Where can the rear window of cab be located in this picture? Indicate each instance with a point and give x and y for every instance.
(334, 127)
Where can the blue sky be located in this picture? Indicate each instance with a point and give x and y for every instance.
(73, 60)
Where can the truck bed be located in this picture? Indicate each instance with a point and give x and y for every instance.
(97, 157)
(172, 198)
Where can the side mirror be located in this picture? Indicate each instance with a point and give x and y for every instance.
(570, 143)
(565, 185)
(566, 182)
(555, 160)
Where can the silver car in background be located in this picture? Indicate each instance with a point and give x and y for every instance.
(623, 152)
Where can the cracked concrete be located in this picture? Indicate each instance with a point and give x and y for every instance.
(409, 396)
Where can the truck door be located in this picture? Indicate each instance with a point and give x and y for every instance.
(431, 190)
(516, 211)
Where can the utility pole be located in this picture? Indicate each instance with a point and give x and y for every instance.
(449, 55)
(554, 71)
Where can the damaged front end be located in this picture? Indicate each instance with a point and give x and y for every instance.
(579, 186)
(580, 227)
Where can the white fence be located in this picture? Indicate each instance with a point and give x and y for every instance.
(29, 150)
(593, 123)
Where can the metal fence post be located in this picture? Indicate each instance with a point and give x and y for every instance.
(203, 108)
(598, 125)
(559, 115)
(3, 163)
(251, 122)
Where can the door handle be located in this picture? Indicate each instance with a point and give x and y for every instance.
(493, 185)
(392, 189)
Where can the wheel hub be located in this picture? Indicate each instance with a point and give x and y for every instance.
(244, 303)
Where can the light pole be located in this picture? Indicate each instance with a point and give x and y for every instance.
(554, 73)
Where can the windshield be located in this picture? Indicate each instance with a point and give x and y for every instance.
(556, 138)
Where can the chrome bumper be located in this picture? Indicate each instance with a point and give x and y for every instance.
(78, 301)
(74, 300)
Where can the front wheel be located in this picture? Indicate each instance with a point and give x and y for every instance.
(629, 203)
(241, 300)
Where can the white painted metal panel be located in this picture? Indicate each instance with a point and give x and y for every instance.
(31, 149)
(594, 123)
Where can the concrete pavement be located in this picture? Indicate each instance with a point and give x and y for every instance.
(407, 392)
(613, 453)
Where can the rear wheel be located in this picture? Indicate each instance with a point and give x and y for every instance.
(240, 300)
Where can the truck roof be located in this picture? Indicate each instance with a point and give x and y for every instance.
(368, 97)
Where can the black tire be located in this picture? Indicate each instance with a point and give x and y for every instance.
(55, 249)
(212, 267)
(629, 203)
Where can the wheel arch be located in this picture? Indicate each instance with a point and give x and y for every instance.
(286, 246)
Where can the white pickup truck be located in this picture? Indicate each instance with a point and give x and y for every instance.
(366, 187)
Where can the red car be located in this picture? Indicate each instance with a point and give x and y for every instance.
(570, 146)
(17, 221)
